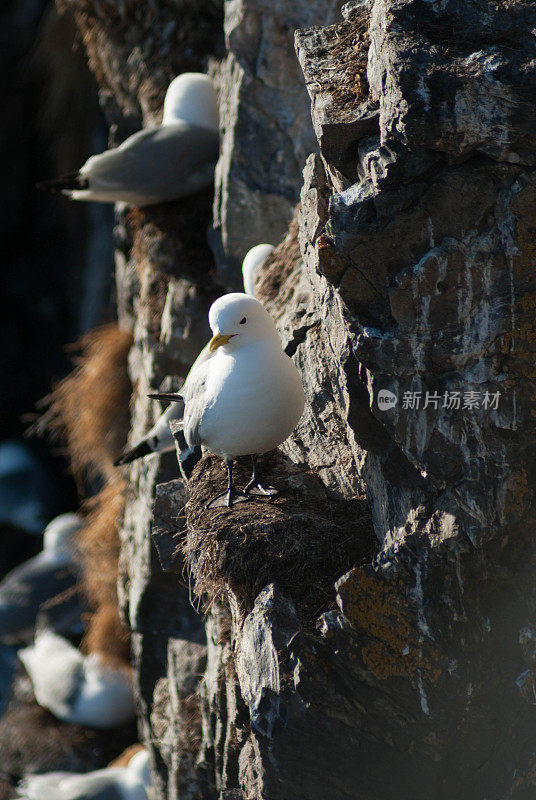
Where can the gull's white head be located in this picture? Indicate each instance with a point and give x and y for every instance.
(237, 319)
(58, 535)
(192, 98)
(252, 263)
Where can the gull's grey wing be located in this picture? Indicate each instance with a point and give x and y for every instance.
(193, 394)
(26, 588)
(153, 166)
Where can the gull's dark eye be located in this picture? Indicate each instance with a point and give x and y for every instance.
(243, 321)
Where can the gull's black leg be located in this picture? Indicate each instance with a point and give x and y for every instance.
(254, 486)
(232, 495)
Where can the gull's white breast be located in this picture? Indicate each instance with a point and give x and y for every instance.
(254, 400)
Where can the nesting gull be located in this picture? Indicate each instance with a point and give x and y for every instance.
(39, 579)
(77, 688)
(247, 397)
(167, 162)
(159, 438)
(252, 264)
(112, 783)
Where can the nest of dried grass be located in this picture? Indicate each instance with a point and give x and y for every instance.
(349, 56)
(280, 264)
(172, 238)
(169, 37)
(301, 540)
(89, 409)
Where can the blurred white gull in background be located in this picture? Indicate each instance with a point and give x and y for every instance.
(77, 688)
(252, 264)
(154, 165)
(112, 783)
(28, 586)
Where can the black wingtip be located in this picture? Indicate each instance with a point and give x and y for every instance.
(176, 398)
(66, 183)
(141, 449)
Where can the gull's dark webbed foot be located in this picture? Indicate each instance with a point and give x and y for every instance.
(227, 499)
(231, 496)
(255, 488)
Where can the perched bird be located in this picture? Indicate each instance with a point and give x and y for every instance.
(173, 160)
(113, 783)
(78, 688)
(252, 264)
(159, 438)
(246, 397)
(39, 579)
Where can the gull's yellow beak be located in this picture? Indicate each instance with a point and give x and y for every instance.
(217, 340)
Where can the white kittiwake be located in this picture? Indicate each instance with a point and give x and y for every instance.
(167, 162)
(247, 397)
(252, 265)
(28, 586)
(112, 783)
(77, 688)
(159, 438)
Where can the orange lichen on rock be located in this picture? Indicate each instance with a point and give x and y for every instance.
(329, 263)
(382, 610)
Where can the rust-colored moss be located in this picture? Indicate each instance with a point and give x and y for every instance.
(395, 647)
(329, 263)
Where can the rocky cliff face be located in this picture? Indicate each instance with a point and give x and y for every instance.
(373, 631)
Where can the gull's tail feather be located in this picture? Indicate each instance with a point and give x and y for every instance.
(72, 182)
(189, 456)
(166, 396)
(140, 450)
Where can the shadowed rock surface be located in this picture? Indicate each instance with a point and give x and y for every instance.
(409, 268)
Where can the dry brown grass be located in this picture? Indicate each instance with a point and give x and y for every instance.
(280, 264)
(106, 634)
(349, 59)
(301, 540)
(89, 409)
(99, 545)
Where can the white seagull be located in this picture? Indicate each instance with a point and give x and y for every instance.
(39, 579)
(113, 783)
(253, 263)
(159, 438)
(76, 688)
(247, 397)
(167, 162)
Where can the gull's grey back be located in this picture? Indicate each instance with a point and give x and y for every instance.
(154, 165)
